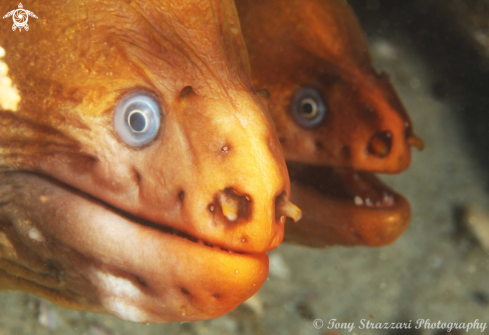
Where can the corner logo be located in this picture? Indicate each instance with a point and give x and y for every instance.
(20, 17)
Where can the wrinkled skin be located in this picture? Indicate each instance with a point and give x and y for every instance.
(93, 223)
(319, 44)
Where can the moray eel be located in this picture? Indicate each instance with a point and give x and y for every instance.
(337, 119)
(141, 175)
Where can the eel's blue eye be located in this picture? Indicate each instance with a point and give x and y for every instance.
(137, 119)
(308, 107)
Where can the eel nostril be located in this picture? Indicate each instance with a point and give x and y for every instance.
(283, 208)
(233, 205)
(380, 144)
(230, 206)
(415, 141)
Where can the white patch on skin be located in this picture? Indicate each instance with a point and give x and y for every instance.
(9, 95)
(29, 230)
(36, 235)
(126, 311)
(118, 296)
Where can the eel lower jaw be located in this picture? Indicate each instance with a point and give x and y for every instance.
(135, 271)
(344, 207)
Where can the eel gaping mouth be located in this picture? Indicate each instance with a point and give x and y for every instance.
(345, 207)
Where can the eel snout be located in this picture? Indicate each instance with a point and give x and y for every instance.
(381, 141)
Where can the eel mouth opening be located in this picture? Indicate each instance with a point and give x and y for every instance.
(344, 207)
(348, 185)
(160, 227)
(168, 230)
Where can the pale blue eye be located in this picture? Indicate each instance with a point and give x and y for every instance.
(308, 107)
(137, 119)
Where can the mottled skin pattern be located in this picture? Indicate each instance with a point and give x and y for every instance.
(320, 44)
(92, 223)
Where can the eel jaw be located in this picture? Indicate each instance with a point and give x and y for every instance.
(344, 207)
(133, 271)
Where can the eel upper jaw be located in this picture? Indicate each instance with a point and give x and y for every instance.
(344, 207)
(162, 227)
(137, 272)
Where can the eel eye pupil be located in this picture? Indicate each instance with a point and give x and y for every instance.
(308, 107)
(137, 118)
(137, 121)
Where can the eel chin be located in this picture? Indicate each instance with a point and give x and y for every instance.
(344, 207)
(72, 249)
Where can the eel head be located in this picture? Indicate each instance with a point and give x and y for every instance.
(141, 174)
(337, 118)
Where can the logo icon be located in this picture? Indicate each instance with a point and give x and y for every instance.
(20, 17)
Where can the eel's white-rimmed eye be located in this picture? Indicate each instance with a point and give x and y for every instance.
(137, 119)
(308, 107)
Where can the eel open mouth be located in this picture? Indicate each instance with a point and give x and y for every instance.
(344, 207)
(135, 269)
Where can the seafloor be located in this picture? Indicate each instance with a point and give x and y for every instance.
(435, 271)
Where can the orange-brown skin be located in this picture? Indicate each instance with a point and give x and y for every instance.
(319, 44)
(93, 223)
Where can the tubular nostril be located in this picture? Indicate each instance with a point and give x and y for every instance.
(380, 144)
(415, 141)
(233, 205)
(283, 207)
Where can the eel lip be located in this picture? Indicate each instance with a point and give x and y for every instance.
(136, 272)
(344, 207)
(162, 227)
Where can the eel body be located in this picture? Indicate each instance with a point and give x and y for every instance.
(337, 118)
(141, 175)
